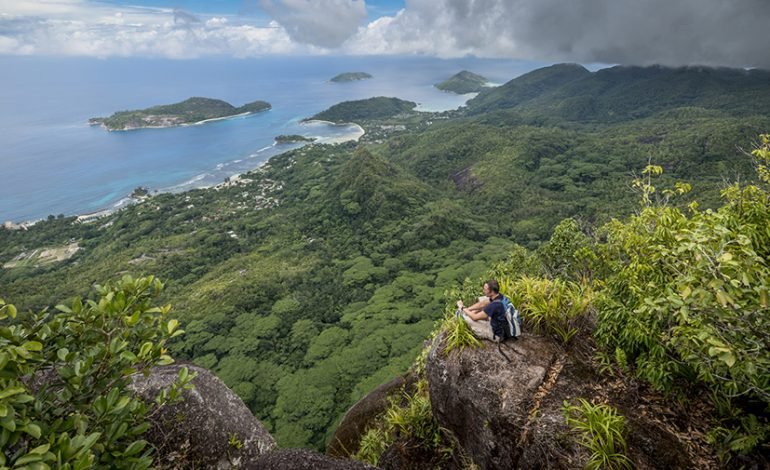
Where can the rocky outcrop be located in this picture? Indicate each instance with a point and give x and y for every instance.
(484, 400)
(303, 459)
(209, 428)
(509, 414)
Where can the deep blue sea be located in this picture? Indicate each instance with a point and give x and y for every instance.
(52, 162)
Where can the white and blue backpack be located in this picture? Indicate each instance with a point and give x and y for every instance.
(509, 324)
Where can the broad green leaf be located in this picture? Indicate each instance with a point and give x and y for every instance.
(86, 443)
(29, 458)
(40, 450)
(715, 342)
(8, 423)
(40, 465)
(165, 360)
(22, 398)
(122, 402)
(128, 355)
(33, 430)
(32, 346)
(728, 358)
(134, 448)
(714, 351)
(62, 354)
(145, 349)
(721, 298)
(726, 256)
(10, 391)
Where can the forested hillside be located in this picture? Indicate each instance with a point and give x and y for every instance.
(309, 282)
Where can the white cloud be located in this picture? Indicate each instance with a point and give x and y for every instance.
(324, 23)
(216, 22)
(8, 45)
(80, 28)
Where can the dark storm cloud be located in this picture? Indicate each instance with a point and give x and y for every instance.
(325, 23)
(669, 32)
(674, 32)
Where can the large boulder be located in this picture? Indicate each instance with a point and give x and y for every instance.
(209, 428)
(347, 436)
(505, 407)
(303, 459)
(483, 399)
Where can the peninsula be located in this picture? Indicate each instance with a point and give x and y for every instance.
(194, 110)
(463, 82)
(351, 77)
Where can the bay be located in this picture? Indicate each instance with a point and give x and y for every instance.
(52, 162)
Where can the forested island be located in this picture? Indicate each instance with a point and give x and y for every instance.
(463, 82)
(350, 77)
(625, 212)
(190, 111)
(293, 138)
(372, 108)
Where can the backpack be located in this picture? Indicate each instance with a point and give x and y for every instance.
(508, 324)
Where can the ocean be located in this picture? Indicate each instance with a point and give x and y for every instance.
(52, 162)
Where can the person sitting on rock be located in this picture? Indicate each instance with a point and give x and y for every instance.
(477, 315)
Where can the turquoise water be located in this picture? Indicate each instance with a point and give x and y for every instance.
(52, 162)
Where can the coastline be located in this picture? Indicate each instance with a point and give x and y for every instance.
(234, 178)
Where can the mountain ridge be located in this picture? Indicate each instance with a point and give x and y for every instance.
(621, 93)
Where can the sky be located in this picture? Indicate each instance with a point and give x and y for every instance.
(634, 32)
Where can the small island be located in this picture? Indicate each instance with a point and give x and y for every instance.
(293, 139)
(351, 77)
(140, 193)
(463, 82)
(373, 108)
(194, 110)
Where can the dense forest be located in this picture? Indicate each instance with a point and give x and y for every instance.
(310, 281)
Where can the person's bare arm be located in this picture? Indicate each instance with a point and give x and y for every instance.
(475, 311)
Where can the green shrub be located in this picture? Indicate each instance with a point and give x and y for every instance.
(602, 431)
(458, 335)
(408, 418)
(373, 444)
(64, 401)
(548, 306)
(689, 302)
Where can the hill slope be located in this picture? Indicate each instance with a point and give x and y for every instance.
(571, 93)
